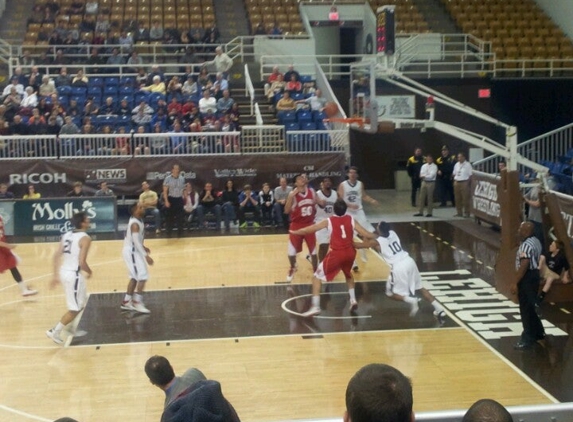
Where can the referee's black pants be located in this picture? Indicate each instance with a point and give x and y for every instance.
(527, 294)
(175, 214)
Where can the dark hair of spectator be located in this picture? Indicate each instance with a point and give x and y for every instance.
(159, 370)
(487, 410)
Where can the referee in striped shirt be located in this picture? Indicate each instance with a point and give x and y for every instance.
(527, 286)
(173, 187)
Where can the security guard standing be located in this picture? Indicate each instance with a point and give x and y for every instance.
(445, 165)
(414, 165)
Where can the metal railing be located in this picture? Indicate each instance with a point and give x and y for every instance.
(333, 66)
(249, 88)
(258, 115)
(544, 148)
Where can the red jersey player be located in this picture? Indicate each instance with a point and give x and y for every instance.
(340, 256)
(300, 204)
(8, 261)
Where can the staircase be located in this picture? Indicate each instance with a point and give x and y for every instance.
(244, 101)
(13, 22)
(438, 18)
(231, 18)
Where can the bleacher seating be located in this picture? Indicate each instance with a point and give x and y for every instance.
(408, 17)
(284, 12)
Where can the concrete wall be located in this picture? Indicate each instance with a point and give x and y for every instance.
(561, 11)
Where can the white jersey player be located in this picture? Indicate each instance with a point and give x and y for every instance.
(136, 257)
(326, 197)
(352, 191)
(404, 280)
(70, 260)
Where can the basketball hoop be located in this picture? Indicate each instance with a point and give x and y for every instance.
(352, 121)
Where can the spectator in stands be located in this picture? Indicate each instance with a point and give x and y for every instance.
(121, 143)
(272, 78)
(204, 79)
(131, 24)
(60, 59)
(222, 62)
(286, 103)
(4, 193)
(141, 118)
(88, 23)
(276, 87)
(260, 29)
(30, 99)
(248, 202)
(195, 126)
(155, 71)
(159, 142)
(135, 62)
(141, 143)
(293, 85)
(379, 392)
(20, 76)
(80, 79)
(36, 117)
(276, 31)
(104, 190)
(73, 109)
(31, 193)
(115, 59)
(159, 118)
(487, 410)
(53, 127)
(220, 82)
(208, 203)
(189, 87)
(156, 86)
(174, 105)
(207, 103)
(280, 195)
(225, 103)
(149, 199)
(156, 31)
(267, 201)
(91, 7)
(106, 144)
(534, 215)
(34, 78)
(142, 106)
(102, 23)
(123, 109)
(91, 108)
(63, 78)
(211, 33)
(178, 139)
(235, 116)
(315, 102)
(125, 40)
(174, 86)
(190, 57)
(190, 201)
(109, 108)
(95, 60)
(48, 17)
(77, 7)
(141, 34)
(77, 191)
(209, 120)
(18, 127)
(290, 72)
(13, 84)
(36, 17)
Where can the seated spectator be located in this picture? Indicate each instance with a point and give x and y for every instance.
(77, 191)
(121, 143)
(277, 86)
(230, 201)
(155, 71)
(53, 126)
(248, 202)
(60, 58)
(267, 203)
(69, 127)
(88, 23)
(142, 106)
(174, 86)
(290, 72)
(140, 143)
(34, 78)
(14, 84)
(80, 79)
(161, 374)
(487, 410)
(141, 77)
(159, 142)
(189, 87)
(276, 31)
(231, 143)
(141, 118)
(315, 102)
(190, 201)
(54, 38)
(30, 99)
(37, 123)
(102, 23)
(73, 110)
(235, 115)
(174, 105)
(207, 103)
(156, 31)
(286, 103)
(220, 83)
(4, 193)
(91, 108)
(156, 86)
(208, 203)
(293, 85)
(18, 127)
(225, 103)
(109, 108)
(104, 190)
(379, 392)
(77, 7)
(106, 144)
(280, 196)
(91, 7)
(209, 121)
(171, 118)
(115, 59)
(37, 16)
(196, 126)
(553, 266)
(125, 40)
(260, 29)
(204, 79)
(272, 77)
(135, 62)
(149, 199)
(141, 33)
(178, 139)
(123, 109)
(160, 118)
(63, 78)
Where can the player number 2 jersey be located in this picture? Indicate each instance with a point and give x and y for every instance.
(303, 209)
(71, 250)
(341, 232)
(391, 248)
(352, 194)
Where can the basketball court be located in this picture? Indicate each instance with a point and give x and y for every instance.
(220, 303)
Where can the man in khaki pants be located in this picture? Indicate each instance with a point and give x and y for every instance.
(428, 174)
(462, 186)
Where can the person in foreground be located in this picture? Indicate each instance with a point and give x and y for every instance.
(341, 227)
(161, 374)
(487, 410)
(404, 280)
(70, 264)
(379, 393)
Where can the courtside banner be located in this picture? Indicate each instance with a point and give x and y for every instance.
(55, 178)
(51, 216)
(485, 197)
(565, 204)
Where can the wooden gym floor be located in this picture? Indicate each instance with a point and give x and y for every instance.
(217, 304)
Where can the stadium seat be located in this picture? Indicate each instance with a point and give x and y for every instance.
(95, 82)
(303, 116)
(308, 126)
(292, 126)
(94, 91)
(318, 116)
(285, 117)
(76, 90)
(64, 90)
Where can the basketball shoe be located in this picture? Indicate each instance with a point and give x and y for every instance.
(353, 306)
(140, 307)
(54, 336)
(290, 274)
(314, 310)
(127, 305)
(29, 292)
